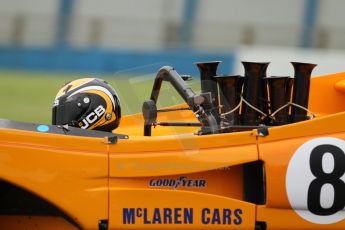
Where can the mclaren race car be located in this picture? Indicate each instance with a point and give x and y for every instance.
(247, 152)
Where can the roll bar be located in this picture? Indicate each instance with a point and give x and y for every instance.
(201, 104)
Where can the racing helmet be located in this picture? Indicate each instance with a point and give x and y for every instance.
(87, 103)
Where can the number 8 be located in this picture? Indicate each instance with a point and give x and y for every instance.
(322, 178)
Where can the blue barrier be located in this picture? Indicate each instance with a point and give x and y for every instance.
(102, 61)
(310, 17)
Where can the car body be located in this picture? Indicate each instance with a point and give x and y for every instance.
(56, 177)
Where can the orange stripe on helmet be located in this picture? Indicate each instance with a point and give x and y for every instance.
(73, 85)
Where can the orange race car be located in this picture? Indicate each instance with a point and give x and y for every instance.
(248, 152)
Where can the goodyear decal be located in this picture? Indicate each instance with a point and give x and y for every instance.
(178, 182)
(161, 216)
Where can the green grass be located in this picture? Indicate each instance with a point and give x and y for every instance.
(28, 96)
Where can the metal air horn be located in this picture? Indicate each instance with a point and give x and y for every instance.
(208, 70)
(280, 94)
(254, 93)
(301, 88)
(230, 88)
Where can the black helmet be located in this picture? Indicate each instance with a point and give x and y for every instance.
(87, 103)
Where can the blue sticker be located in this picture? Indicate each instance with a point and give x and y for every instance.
(42, 128)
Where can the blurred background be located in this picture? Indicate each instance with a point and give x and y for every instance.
(44, 43)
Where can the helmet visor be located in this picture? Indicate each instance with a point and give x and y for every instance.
(64, 114)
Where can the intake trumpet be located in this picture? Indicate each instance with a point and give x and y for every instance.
(279, 93)
(230, 89)
(301, 89)
(208, 70)
(255, 101)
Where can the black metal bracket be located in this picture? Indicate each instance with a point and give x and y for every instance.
(187, 77)
(260, 225)
(201, 105)
(263, 131)
(111, 140)
(103, 225)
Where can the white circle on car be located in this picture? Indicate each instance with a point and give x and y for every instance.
(315, 180)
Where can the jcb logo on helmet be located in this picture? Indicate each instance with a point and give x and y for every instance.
(92, 117)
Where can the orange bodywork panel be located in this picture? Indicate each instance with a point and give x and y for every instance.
(69, 172)
(176, 179)
(186, 174)
(286, 156)
(327, 94)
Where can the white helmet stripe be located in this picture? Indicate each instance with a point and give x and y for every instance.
(104, 90)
